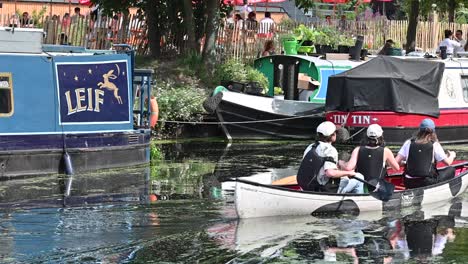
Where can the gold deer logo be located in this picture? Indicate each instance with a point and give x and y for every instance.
(110, 86)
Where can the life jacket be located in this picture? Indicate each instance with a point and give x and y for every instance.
(310, 168)
(370, 163)
(420, 161)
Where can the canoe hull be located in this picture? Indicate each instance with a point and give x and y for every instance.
(258, 200)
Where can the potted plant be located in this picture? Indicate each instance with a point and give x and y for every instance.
(305, 35)
(344, 43)
(327, 40)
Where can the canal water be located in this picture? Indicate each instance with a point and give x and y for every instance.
(180, 210)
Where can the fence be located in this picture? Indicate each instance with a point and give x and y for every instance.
(235, 40)
(246, 44)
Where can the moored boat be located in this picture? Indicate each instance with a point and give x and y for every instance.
(64, 99)
(295, 114)
(397, 94)
(261, 200)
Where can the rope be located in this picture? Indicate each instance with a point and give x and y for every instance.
(355, 134)
(238, 122)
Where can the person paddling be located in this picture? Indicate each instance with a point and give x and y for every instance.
(422, 154)
(318, 170)
(371, 159)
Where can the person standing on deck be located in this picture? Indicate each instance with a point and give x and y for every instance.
(319, 170)
(421, 154)
(371, 158)
(459, 38)
(448, 42)
(267, 26)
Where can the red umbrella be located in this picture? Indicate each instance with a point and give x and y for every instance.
(335, 1)
(250, 2)
(86, 2)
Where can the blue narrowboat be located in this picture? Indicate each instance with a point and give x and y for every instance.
(90, 104)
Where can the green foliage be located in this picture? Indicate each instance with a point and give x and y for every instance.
(179, 103)
(327, 36)
(234, 70)
(278, 90)
(155, 152)
(286, 22)
(303, 32)
(345, 41)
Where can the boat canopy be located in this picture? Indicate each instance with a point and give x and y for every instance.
(387, 84)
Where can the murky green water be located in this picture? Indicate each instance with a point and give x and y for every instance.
(180, 211)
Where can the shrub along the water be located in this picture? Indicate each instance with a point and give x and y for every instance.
(183, 84)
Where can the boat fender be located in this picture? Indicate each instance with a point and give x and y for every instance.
(211, 103)
(342, 135)
(154, 112)
(68, 166)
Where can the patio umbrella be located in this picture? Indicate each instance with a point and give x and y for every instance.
(334, 2)
(250, 2)
(86, 2)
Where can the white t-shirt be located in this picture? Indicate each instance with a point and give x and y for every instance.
(266, 25)
(462, 47)
(450, 44)
(324, 150)
(439, 153)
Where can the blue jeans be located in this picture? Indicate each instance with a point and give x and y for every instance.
(350, 185)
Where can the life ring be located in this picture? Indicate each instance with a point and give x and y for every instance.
(154, 112)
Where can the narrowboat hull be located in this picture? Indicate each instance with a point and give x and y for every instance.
(255, 117)
(451, 125)
(259, 200)
(31, 155)
(64, 99)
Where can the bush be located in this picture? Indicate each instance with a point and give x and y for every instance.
(178, 104)
(234, 70)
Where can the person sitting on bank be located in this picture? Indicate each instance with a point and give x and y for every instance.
(371, 158)
(386, 48)
(319, 171)
(269, 48)
(448, 42)
(421, 154)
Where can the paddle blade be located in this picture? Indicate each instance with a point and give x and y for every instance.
(383, 190)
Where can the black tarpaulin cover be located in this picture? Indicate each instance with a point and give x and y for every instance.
(387, 84)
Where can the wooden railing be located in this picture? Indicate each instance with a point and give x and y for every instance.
(234, 40)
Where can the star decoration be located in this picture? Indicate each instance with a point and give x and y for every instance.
(76, 78)
(90, 71)
(123, 73)
(64, 74)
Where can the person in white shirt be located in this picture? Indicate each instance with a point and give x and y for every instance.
(421, 155)
(459, 39)
(449, 42)
(267, 25)
(319, 171)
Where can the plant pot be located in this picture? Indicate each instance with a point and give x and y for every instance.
(364, 53)
(343, 49)
(318, 49)
(326, 49)
(307, 43)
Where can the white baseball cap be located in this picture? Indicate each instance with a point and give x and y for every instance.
(326, 128)
(374, 131)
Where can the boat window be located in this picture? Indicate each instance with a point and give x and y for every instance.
(464, 85)
(6, 95)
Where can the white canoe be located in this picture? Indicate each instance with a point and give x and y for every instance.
(261, 200)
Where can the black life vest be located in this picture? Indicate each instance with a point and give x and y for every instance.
(420, 161)
(370, 163)
(310, 168)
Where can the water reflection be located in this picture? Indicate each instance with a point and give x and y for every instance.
(176, 212)
(419, 234)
